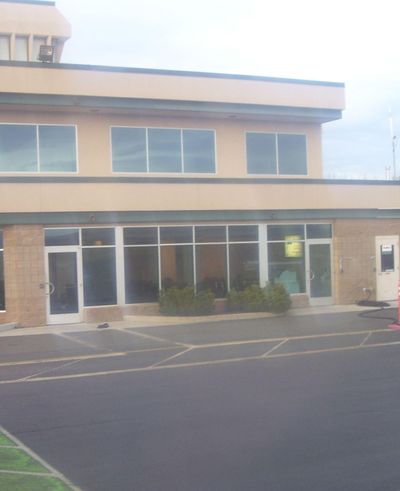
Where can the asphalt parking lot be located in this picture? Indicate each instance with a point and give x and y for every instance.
(63, 354)
(284, 403)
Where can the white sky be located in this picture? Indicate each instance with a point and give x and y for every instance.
(355, 42)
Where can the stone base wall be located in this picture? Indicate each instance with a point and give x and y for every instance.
(24, 275)
(354, 257)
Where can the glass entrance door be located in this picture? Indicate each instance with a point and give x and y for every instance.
(63, 286)
(320, 272)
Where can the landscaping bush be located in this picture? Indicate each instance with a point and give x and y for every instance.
(251, 299)
(272, 298)
(278, 298)
(184, 301)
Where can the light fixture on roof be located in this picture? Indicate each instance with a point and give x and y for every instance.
(46, 53)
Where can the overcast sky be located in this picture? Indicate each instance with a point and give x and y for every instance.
(355, 42)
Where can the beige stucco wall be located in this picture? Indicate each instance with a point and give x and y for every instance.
(39, 20)
(169, 87)
(94, 151)
(58, 197)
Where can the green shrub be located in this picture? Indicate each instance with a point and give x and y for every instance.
(278, 298)
(184, 301)
(251, 299)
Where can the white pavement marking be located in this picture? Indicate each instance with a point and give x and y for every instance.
(52, 471)
(153, 338)
(195, 364)
(171, 357)
(81, 342)
(48, 370)
(274, 348)
(366, 338)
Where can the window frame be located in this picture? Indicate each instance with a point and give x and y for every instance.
(276, 133)
(2, 259)
(38, 170)
(174, 174)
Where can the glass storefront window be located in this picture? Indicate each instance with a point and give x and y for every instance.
(99, 276)
(282, 232)
(319, 231)
(140, 236)
(243, 265)
(210, 234)
(176, 235)
(286, 265)
(243, 233)
(141, 274)
(176, 266)
(61, 237)
(98, 236)
(211, 269)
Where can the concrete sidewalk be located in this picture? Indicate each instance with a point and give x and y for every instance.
(141, 321)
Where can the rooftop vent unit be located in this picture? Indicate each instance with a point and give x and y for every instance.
(46, 53)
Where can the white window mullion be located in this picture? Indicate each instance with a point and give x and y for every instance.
(120, 271)
(159, 259)
(147, 150)
(37, 148)
(263, 255)
(182, 159)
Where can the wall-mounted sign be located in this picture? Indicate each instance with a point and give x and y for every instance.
(293, 246)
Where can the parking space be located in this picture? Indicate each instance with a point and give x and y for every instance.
(64, 354)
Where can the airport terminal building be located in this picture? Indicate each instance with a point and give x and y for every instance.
(118, 182)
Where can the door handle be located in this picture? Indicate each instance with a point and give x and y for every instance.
(52, 288)
(312, 275)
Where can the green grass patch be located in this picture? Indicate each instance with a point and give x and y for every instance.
(15, 459)
(6, 441)
(18, 482)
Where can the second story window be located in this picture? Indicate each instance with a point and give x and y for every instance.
(4, 47)
(160, 150)
(276, 154)
(37, 148)
(21, 48)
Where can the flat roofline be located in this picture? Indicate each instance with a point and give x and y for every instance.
(154, 71)
(31, 2)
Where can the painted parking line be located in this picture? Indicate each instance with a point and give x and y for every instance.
(209, 354)
(23, 469)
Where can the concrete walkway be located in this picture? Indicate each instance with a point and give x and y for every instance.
(139, 321)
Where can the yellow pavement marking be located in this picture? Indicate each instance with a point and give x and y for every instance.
(199, 363)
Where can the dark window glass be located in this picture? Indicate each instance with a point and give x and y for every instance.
(61, 237)
(243, 265)
(129, 149)
(63, 276)
(1, 239)
(57, 148)
(286, 265)
(140, 236)
(2, 289)
(387, 258)
(211, 268)
(261, 153)
(198, 151)
(99, 276)
(243, 233)
(141, 274)
(292, 154)
(285, 232)
(319, 231)
(210, 234)
(176, 266)
(164, 150)
(98, 236)
(176, 235)
(18, 148)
